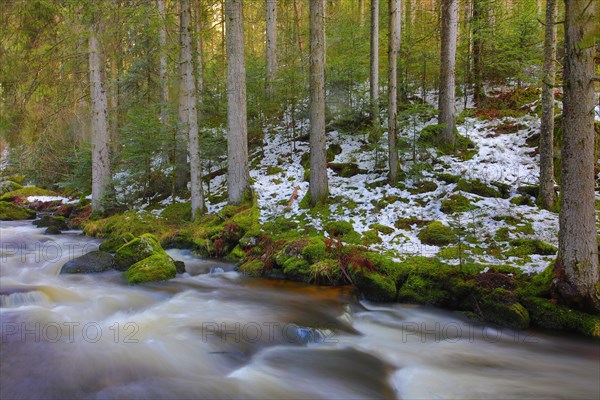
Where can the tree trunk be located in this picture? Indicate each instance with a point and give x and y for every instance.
(199, 50)
(99, 108)
(162, 64)
(297, 23)
(577, 263)
(393, 48)
(448, 72)
(238, 179)
(318, 184)
(547, 196)
(182, 168)
(374, 81)
(477, 24)
(188, 117)
(271, 46)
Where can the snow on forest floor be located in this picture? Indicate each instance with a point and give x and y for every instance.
(501, 157)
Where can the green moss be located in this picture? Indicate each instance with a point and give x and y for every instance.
(136, 250)
(9, 186)
(346, 170)
(374, 286)
(326, 272)
(386, 230)
(437, 234)
(524, 246)
(116, 241)
(273, 170)
(338, 228)
(448, 178)
(253, 267)
(424, 187)
(545, 314)
(136, 223)
(297, 269)
(11, 212)
(407, 223)
(26, 192)
(477, 187)
(502, 235)
(371, 237)
(456, 203)
(158, 267)
(177, 212)
(523, 200)
(315, 250)
(449, 253)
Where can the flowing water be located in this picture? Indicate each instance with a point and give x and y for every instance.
(212, 333)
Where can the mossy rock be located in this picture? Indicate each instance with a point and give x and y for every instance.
(448, 178)
(297, 269)
(280, 225)
(386, 230)
(522, 247)
(52, 230)
(315, 250)
(545, 314)
(424, 187)
(523, 200)
(437, 234)
(326, 272)
(26, 192)
(346, 170)
(136, 250)
(499, 306)
(374, 286)
(504, 189)
(12, 212)
(115, 241)
(9, 186)
(456, 203)
(478, 188)
(533, 191)
(338, 228)
(371, 237)
(253, 267)
(407, 223)
(158, 267)
(52, 220)
(177, 212)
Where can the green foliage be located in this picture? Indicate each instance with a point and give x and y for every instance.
(437, 234)
(9, 186)
(158, 267)
(177, 212)
(386, 230)
(456, 203)
(26, 192)
(523, 247)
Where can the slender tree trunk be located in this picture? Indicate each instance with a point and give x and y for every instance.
(238, 179)
(577, 263)
(448, 71)
(188, 116)
(99, 108)
(297, 23)
(547, 196)
(393, 48)
(477, 24)
(162, 63)
(199, 51)
(182, 168)
(271, 46)
(318, 184)
(374, 82)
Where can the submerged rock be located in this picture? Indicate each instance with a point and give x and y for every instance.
(92, 262)
(158, 267)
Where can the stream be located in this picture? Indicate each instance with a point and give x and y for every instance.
(213, 333)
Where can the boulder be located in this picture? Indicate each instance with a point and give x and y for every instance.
(158, 267)
(112, 243)
(136, 250)
(92, 262)
(11, 212)
(180, 267)
(51, 220)
(52, 230)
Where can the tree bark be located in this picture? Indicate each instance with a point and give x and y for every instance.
(477, 24)
(271, 46)
(238, 179)
(448, 72)
(374, 81)
(547, 196)
(162, 63)
(577, 263)
(199, 51)
(99, 108)
(318, 183)
(182, 168)
(188, 117)
(393, 48)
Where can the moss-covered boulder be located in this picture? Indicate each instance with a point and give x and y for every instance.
(478, 188)
(177, 212)
(254, 267)
(26, 192)
(12, 212)
(437, 234)
(136, 250)
(113, 242)
(375, 286)
(545, 314)
(9, 186)
(52, 220)
(158, 267)
(456, 203)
